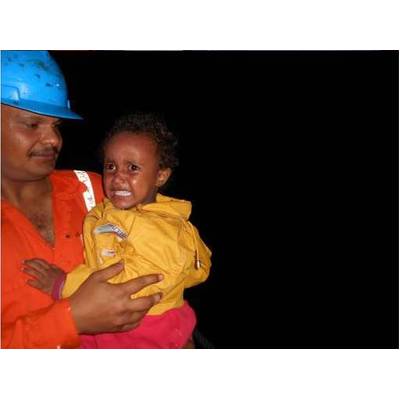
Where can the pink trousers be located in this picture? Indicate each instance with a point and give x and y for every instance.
(170, 330)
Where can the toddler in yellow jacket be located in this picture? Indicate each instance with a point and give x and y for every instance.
(148, 232)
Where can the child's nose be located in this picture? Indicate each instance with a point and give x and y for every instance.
(119, 177)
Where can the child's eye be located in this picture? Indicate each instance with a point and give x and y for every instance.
(133, 167)
(109, 167)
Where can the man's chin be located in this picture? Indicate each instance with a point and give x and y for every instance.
(43, 168)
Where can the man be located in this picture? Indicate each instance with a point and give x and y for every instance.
(42, 216)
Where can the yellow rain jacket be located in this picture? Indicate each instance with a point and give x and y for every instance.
(154, 238)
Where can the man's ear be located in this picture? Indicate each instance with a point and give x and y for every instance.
(163, 176)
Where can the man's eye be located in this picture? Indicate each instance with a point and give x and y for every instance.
(31, 125)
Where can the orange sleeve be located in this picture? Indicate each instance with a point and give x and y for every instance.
(50, 327)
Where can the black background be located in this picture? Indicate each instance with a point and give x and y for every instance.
(291, 162)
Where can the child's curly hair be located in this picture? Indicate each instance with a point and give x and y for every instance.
(154, 126)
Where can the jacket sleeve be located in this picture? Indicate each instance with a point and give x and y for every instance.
(200, 272)
(80, 273)
(50, 327)
(75, 279)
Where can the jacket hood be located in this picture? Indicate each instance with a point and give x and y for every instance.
(165, 205)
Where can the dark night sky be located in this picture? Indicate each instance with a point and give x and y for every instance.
(291, 162)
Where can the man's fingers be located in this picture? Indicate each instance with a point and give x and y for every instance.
(107, 273)
(128, 327)
(139, 308)
(142, 304)
(134, 285)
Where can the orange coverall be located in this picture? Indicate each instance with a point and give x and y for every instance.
(31, 319)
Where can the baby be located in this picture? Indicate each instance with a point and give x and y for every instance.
(148, 232)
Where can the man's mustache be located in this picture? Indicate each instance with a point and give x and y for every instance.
(47, 152)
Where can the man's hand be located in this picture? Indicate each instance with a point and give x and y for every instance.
(99, 307)
(45, 275)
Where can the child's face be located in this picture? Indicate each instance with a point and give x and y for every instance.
(131, 170)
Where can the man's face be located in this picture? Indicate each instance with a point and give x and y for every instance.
(131, 170)
(30, 144)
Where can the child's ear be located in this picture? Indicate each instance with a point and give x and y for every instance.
(163, 176)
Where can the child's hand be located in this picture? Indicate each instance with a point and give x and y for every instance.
(47, 277)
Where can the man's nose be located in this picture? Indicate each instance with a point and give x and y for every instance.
(50, 135)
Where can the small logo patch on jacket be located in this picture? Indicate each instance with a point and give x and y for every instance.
(111, 228)
(108, 253)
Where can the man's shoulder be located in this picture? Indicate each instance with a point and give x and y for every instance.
(69, 181)
(69, 174)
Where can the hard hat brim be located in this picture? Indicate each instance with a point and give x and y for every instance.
(42, 108)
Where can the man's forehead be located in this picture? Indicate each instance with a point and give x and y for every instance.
(24, 114)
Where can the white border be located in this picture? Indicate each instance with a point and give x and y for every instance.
(177, 25)
(201, 374)
(197, 25)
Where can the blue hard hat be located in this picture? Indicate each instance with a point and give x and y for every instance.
(32, 81)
